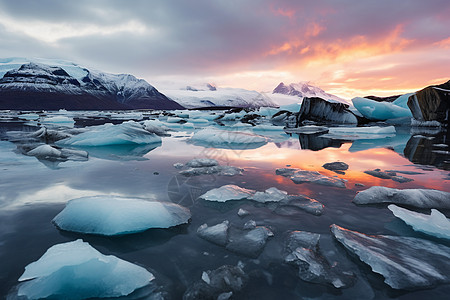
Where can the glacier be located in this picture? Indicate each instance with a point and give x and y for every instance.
(113, 215)
(127, 133)
(75, 270)
(404, 262)
(435, 224)
(421, 198)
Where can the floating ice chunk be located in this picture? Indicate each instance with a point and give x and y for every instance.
(302, 250)
(242, 212)
(262, 127)
(44, 151)
(217, 234)
(112, 215)
(301, 202)
(174, 120)
(435, 224)
(178, 165)
(250, 224)
(48, 152)
(404, 262)
(29, 116)
(248, 242)
(227, 193)
(75, 270)
(218, 170)
(108, 134)
(210, 137)
(302, 176)
(59, 120)
(336, 166)
(202, 162)
(375, 110)
(308, 129)
(217, 284)
(422, 198)
(270, 195)
(48, 135)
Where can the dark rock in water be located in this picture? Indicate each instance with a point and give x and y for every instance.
(336, 166)
(404, 262)
(379, 174)
(388, 175)
(322, 111)
(431, 103)
(283, 117)
(217, 284)
(302, 250)
(39, 86)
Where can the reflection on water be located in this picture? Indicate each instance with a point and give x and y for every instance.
(32, 194)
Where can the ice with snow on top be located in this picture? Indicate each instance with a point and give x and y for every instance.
(75, 270)
(127, 133)
(113, 215)
(211, 137)
(206, 166)
(435, 224)
(302, 250)
(59, 120)
(227, 192)
(270, 195)
(292, 203)
(421, 198)
(301, 176)
(202, 162)
(404, 262)
(356, 133)
(217, 234)
(48, 152)
(375, 110)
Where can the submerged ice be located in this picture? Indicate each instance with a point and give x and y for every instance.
(404, 262)
(112, 215)
(75, 270)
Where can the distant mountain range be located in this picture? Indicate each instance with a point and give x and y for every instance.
(54, 84)
(304, 89)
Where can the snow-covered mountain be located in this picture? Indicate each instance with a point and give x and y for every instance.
(208, 95)
(304, 89)
(55, 84)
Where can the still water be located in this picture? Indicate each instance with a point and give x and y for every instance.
(33, 192)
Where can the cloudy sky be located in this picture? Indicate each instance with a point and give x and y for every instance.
(350, 48)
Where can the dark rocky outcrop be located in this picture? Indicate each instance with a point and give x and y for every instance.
(383, 99)
(38, 86)
(431, 103)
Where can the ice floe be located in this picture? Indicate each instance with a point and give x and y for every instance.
(113, 215)
(227, 193)
(356, 133)
(435, 224)
(218, 284)
(108, 134)
(248, 241)
(211, 137)
(302, 176)
(59, 121)
(302, 250)
(404, 262)
(206, 166)
(421, 198)
(308, 129)
(388, 175)
(75, 270)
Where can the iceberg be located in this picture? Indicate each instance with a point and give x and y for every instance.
(404, 262)
(75, 270)
(421, 198)
(302, 250)
(127, 133)
(435, 224)
(301, 176)
(380, 111)
(112, 215)
(227, 193)
(216, 138)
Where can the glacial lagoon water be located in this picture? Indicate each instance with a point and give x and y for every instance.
(33, 191)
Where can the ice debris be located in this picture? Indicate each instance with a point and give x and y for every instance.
(108, 134)
(242, 212)
(206, 166)
(216, 138)
(218, 284)
(302, 176)
(75, 270)
(435, 224)
(113, 215)
(227, 193)
(388, 175)
(404, 262)
(248, 241)
(421, 198)
(302, 250)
